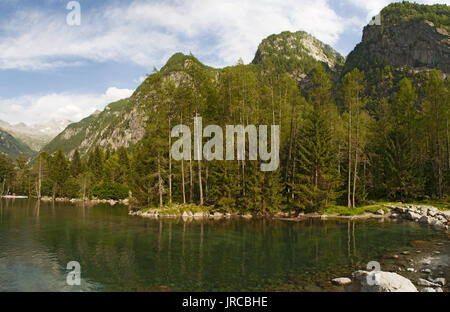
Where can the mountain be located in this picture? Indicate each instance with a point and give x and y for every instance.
(410, 35)
(13, 147)
(297, 53)
(35, 136)
(119, 124)
(406, 29)
(122, 124)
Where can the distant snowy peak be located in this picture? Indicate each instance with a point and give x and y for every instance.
(38, 135)
(51, 128)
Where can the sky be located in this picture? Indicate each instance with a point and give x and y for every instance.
(50, 69)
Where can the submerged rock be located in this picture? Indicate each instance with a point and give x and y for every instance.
(341, 281)
(424, 282)
(440, 280)
(427, 289)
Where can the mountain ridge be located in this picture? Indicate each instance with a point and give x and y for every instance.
(123, 125)
(297, 53)
(36, 136)
(12, 147)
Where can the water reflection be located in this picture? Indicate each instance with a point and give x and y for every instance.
(123, 253)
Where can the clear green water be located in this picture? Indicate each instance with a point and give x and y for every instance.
(122, 253)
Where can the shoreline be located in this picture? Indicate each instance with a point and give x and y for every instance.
(417, 213)
(112, 202)
(424, 264)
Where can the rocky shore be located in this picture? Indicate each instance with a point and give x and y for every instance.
(112, 202)
(423, 214)
(423, 268)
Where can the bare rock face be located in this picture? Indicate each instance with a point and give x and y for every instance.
(417, 44)
(298, 51)
(383, 282)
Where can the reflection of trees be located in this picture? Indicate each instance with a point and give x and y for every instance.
(126, 253)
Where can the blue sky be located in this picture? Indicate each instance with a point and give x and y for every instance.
(50, 70)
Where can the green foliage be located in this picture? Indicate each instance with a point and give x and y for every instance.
(403, 12)
(287, 52)
(381, 129)
(110, 190)
(13, 147)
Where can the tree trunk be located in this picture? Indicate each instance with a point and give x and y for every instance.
(84, 187)
(39, 178)
(182, 181)
(170, 164)
(349, 178)
(182, 172)
(438, 146)
(54, 191)
(448, 148)
(355, 175)
(200, 184)
(160, 183)
(191, 182)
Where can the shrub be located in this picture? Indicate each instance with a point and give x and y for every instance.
(114, 191)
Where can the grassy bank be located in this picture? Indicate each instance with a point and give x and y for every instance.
(179, 209)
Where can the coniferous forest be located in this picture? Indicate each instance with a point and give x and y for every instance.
(340, 144)
(349, 136)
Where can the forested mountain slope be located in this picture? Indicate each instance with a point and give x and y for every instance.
(122, 124)
(376, 130)
(12, 147)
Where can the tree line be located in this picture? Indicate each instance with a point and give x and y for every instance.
(342, 141)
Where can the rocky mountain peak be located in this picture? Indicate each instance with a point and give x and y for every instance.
(298, 51)
(412, 35)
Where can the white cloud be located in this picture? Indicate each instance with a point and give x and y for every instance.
(147, 33)
(57, 106)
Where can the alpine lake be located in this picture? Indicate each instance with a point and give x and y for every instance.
(118, 252)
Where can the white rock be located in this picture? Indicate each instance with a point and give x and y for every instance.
(446, 214)
(427, 289)
(198, 215)
(426, 261)
(425, 220)
(410, 270)
(427, 271)
(385, 282)
(440, 280)
(380, 212)
(423, 282)
(341, 281)
(412, 216)
(432, 211)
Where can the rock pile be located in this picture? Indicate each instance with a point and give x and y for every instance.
(423, 214)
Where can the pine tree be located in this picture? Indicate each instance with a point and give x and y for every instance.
(75, 166)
